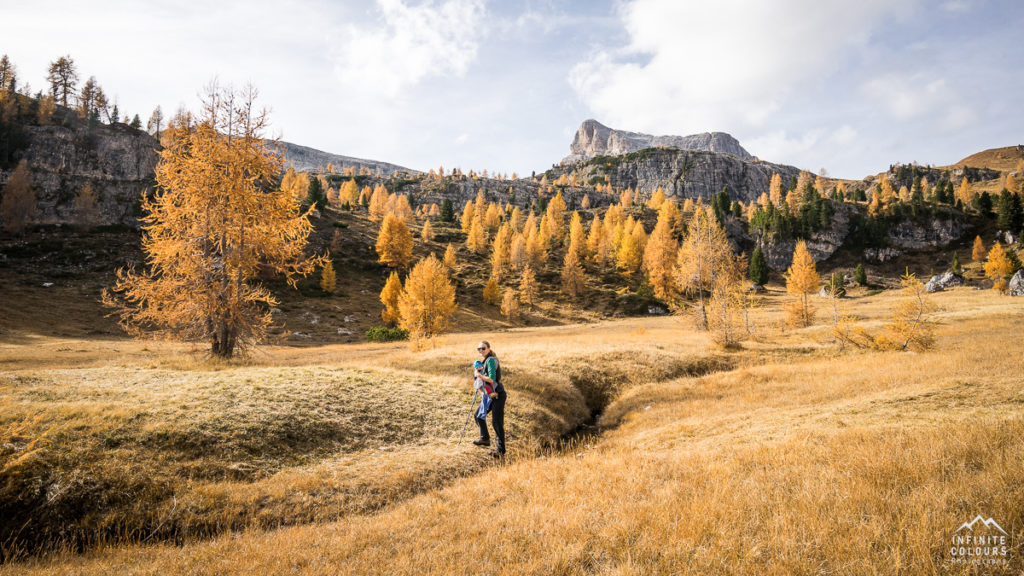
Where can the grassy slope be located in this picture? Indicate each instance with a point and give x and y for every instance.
(799, 460)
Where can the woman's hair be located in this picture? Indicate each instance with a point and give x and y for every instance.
(489, 349)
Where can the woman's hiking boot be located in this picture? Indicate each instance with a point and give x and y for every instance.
(482, 442)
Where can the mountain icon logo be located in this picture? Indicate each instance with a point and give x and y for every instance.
(989, 523)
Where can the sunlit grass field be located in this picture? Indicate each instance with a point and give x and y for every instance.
(787, 456)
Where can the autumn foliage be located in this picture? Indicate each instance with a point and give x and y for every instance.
(427, 302)
(802, 280)
(213, 223)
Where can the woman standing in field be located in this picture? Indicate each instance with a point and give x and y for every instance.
(490, 372)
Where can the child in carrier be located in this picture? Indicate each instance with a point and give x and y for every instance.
(479, 384)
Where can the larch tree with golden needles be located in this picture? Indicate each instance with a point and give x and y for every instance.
(728, 305)
(476, 240)
(394, 242)
(556, 218)
(978, 251)
(528, 287)
(912, 325)
(450, 260)
(86, 208)
(704, 255)
(965, 193)
(18, 208)
(467, 217)
(427, 302)
(427, 232)
(510, 305)
(572, 275)
(492, 292)
(660, 257)
(213, 223)
(328, 279)
(389, 298)
(775, 189)
(802, 280)
(998, 267)
(577, 241)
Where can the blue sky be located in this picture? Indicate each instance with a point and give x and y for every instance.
(846, 86)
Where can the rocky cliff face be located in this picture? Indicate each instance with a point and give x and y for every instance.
(595, 139)
(116, 160)
(684, 174)
(935, 232)
(304, 159)
(821, 245)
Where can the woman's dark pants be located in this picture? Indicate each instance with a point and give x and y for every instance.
(497, 410)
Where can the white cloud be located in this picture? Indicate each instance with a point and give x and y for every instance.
(910, 96)
(695, 66)
(413, 43)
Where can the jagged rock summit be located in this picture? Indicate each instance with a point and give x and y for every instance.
(596, 139)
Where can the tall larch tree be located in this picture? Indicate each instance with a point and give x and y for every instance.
(572, 275)
(978, 251)
(450, 259)
(156, 122)
(660, 258)
(389, 298)
(394, 242)
(328, 279)
(427, 302)
(492, 292)
(704, 255)
(556, 218)
(965, 193)
(528, 288)
(19, 208)
(214, 222)
(468, 212)
(577, 241)
(427, 232)
(998, 267)
(378, 203)
(517, 256)
(63, 78)
(775, 190)
(510, 305)
(476, 240)
(87, 208)
(802, 281)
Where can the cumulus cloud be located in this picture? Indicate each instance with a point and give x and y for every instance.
(412, 43)
(697, 66)
(909, 96)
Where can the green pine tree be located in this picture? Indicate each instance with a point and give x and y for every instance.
(758, 268)
(860, 276)
(315, 194)
(447, 212)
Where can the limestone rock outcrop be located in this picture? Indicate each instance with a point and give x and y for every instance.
(1016, 287)
(940, 282)
(118, 161)
(595, 139)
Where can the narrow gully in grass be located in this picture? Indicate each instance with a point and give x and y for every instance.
(605, 382)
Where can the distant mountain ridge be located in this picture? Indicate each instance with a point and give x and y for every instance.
(595, 139)
(305, 159)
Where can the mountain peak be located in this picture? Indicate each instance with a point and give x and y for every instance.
(595, 139)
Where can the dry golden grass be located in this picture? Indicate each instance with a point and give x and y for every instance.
(786, 457)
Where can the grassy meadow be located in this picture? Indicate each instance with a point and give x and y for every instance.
(636, 447)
